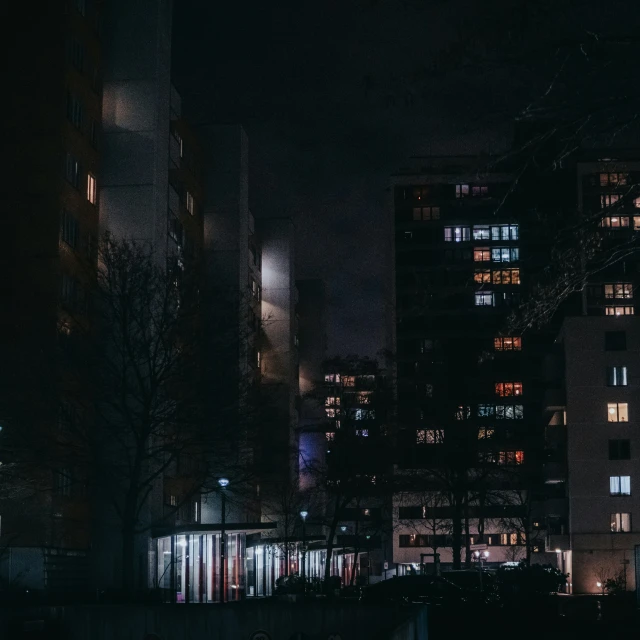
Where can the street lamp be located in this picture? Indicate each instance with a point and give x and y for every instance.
(223, 482)
(481, 557)
(303, 515)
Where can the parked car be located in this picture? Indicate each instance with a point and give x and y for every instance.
(433, 590)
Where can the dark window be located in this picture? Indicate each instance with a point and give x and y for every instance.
(619, 449)
(62, 482)
(75, 110)
(69, 229)
(410, 513)
(94, 134)
(615, 341)
(81, 6)
(77, 54)
(72, 170)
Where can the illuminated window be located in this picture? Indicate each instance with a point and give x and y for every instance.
(636, 203)
(481, 254)
(429, 436)
(329, 377)
(426, 213)
(612, 179)
(362, 433)
(485, 433)
(636, 223)
(92, 192)
(256, 289)
(617, 376)
(510, 457)
(330, 402)
(462, 413)
(506, 276)
(481, 233)
(481, 276)
(507, 343)
(504, 539)
(364, 397)
(331, 413)
(608, 199)
(486, 410)
(479, 190)
(618, 412)
(619, 311)
(508, 388)
(622, 290)
(484, 299)
(513, 538)
(462, 190)
(615, 222)
(620, 485)
(189, 202)
(509, 412)
(505, 232)
(620, 523)
(363, 414)
(457, 234)
(505, 254)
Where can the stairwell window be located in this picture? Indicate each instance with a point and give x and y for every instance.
(92, 189)
(620, 523)
(618, 412)
(620, 485)
(617, 376)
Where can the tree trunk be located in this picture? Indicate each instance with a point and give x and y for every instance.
(456, 534)
(467, 538)
(128, 557)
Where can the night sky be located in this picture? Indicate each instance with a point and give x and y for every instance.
(336, 95)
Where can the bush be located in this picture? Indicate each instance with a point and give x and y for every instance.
(529, 581)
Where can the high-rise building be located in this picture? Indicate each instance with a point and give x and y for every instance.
(467, 393)
(593, 444)
(53, 137)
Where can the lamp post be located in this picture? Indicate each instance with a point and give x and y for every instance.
(223, 482)
(303, 515)
(481, 557)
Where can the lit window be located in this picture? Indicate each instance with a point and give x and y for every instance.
(508, 388)
(506, 276)
(504, 539)
(615, 222)
(510, 457)
(479, 190)
(462, 190)
(481, 233)
(486, 410)
(608, 199)
(363, 433)
(420, 193)
(620, 485)
(329, 377)
(330, 402)
(481, 254)
(485, 433)
(620, 290)
(507, 343)
(505, 232)
(618, 412)
(364, 397)
(173, 501)
(505, 254)
(363, 414)
(429, 436)
(457, 234)
(619, 311)
(462, 413)
(612, 179)
(189, 202)
(426, 213)
(636, 203)
(636, 223)
(513, 538)
(484, 299)
(509, 412)
(617, 376)
(92, 193)
(620, 522)
(348, 381)
(482, 276)
(331, 413)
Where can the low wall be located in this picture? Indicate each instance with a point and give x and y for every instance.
(234, 621)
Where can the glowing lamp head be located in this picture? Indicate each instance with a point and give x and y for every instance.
(598, 584)
(486, 554)
(343, 528)
(304, 514)
(558, 550)
(477, 554)
(223, 482)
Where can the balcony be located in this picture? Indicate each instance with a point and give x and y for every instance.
(554, 473)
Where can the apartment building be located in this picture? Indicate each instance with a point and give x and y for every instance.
(467, 388)
(53, 140)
